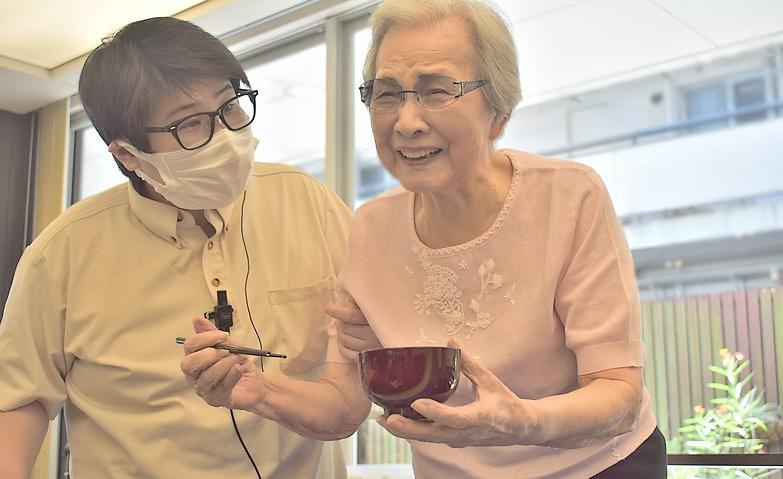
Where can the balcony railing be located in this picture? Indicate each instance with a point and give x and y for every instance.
(668, 130)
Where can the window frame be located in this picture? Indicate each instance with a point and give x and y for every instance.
(728, 83)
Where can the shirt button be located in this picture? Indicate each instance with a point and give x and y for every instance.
(215, 282)
(179, 216)
(210, 245)
(173, 239)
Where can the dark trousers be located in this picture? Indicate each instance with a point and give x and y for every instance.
(648, 461)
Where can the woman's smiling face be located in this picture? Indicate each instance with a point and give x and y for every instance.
(432, 150)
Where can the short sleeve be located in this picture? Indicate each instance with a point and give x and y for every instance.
(597, 297)
(33, 364)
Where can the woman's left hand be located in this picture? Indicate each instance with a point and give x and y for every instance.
(497, 417)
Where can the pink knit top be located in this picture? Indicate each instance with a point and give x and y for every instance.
(545, 294)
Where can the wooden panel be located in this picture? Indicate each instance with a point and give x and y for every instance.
(771, 368)
(684, 396)
(647, 338)
(695, 357)
(777, 312)
(708, 349)
(741, 319)
(15, 141)
(679, 396)
(659, 365)
(718, 317)
(755, 352)
(725, 305)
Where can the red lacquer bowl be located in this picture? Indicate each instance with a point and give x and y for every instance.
(395, 377)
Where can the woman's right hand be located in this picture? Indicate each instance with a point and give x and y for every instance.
(219, 377)
(354, 333)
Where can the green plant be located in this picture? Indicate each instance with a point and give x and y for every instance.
(732, 425)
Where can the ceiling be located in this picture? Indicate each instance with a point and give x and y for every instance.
(43, 43)
(565, 46)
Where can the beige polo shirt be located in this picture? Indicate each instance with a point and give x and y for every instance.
(102, 293)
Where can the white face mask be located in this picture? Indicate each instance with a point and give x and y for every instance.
(210, 177)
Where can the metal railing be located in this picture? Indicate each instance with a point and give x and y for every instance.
(634, 137)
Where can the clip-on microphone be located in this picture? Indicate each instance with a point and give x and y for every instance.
(223, 314)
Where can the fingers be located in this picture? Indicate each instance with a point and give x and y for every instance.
(221, 394)
(473, 369)
(349, 353)
(346, 313)
(216, 374)
(207, 336)
(358, 343)
(351, 344)
(455, 417)
(201, 325)
(420, 430)
(193, 364)
(360, 331)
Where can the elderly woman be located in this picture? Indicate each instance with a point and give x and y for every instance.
(519, 259)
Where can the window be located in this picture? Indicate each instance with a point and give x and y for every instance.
(94, 167)
(291, 107)
(704, 102)
(731, 94)
(372, 178)
(749, 93)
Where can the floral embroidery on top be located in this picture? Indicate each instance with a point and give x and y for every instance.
(410, 272)
(440, 291)
(423, 338)
(508, 296)
(442, 295)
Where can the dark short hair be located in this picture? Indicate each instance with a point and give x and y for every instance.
(129, 72)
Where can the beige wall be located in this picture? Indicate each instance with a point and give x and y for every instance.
(49, 201)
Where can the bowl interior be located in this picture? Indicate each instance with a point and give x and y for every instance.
(395, 377)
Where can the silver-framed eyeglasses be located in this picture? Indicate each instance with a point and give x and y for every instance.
(196, 130)
(431, 92)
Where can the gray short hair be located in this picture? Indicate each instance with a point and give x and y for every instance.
(495, 54)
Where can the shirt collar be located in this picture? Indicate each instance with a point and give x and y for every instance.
(161, 218)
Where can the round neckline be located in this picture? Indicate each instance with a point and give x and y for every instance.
(480, 240)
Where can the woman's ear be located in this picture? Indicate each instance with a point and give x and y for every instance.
(130, 162)
(497, 126)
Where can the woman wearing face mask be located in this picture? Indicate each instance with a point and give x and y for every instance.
(519, 258)
(100, 296)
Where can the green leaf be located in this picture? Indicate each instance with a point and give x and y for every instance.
(720, 386)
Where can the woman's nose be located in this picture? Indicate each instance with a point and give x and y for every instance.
(409, 117)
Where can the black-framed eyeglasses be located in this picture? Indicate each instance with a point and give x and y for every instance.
(196, 130)
(431, 92)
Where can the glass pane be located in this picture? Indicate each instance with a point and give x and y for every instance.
(371, 178)
(290, 121)
(94, 167)
(749, 93)
(705, 102)
(376, 446)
